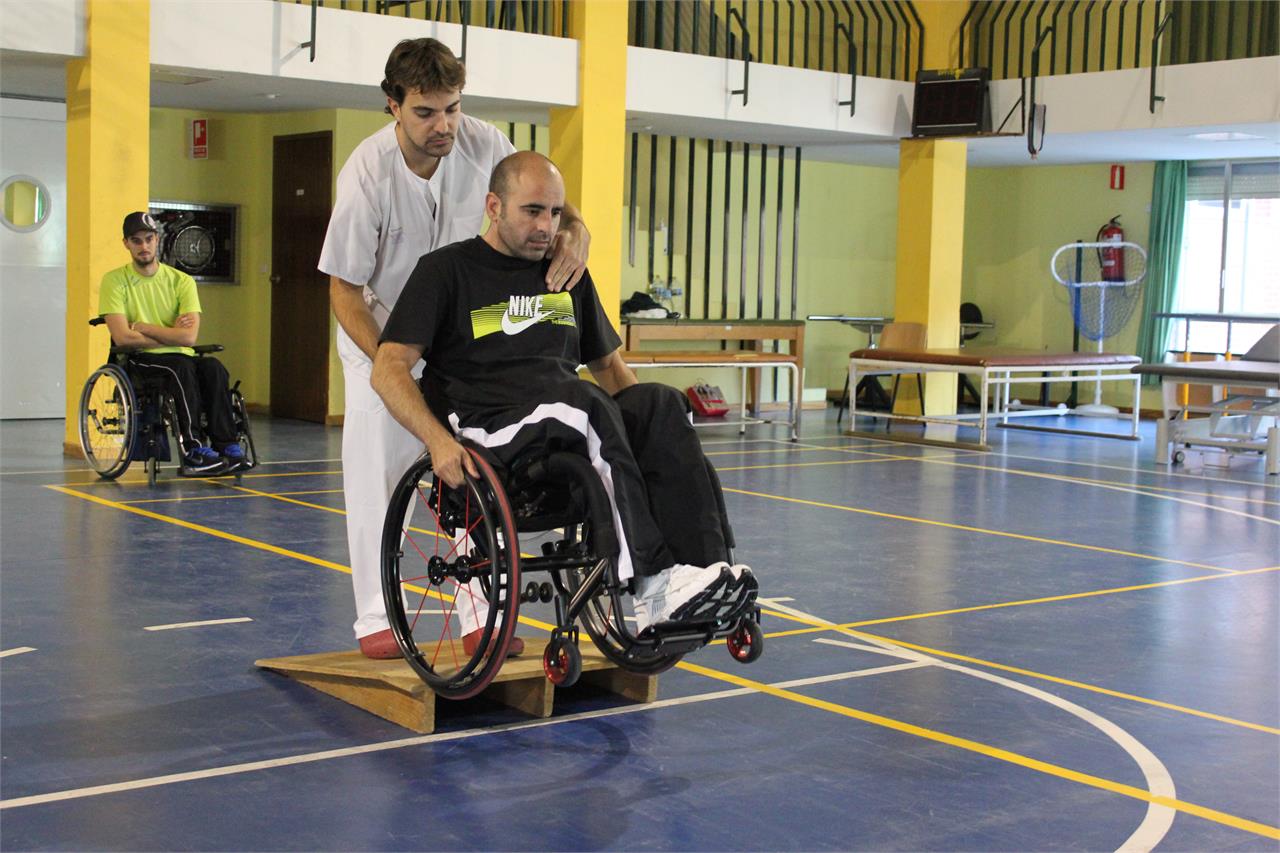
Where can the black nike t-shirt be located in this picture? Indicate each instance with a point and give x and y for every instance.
(491, 331)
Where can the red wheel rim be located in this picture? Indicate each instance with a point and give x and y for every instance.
(556, 665)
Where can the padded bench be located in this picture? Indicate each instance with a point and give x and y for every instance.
(999, 368)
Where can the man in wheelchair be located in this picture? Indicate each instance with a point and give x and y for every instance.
(501, 359)
(154, 310)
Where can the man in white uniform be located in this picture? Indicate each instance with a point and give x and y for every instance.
(412, 187)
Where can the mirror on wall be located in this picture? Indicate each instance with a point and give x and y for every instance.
(26, 202)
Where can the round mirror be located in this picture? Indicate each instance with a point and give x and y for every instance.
(26, 203)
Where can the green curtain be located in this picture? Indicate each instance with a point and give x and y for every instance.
(1168, 210)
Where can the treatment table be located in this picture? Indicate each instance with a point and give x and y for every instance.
(997, 368)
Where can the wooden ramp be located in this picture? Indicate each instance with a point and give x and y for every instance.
(393, 691)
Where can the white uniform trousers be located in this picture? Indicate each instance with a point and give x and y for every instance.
(376, 451)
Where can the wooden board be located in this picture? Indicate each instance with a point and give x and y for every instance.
(393, 691)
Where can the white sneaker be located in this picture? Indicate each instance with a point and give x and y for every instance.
(660, 598)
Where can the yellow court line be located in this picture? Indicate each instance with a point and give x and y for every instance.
(241, 540)
(880, 458)
(282, 498)
(200, 528)
(142, 481)
(1152, 472)
(1057, 770)
(1034, 764)
(1069, 683)
(1156, 473)
(251, 494)
(1021, 536)
(1129, 488)
(776, 451)
(1026, 601)
(849, 632)
(1138, 488)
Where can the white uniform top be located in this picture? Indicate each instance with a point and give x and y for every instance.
(386, 217)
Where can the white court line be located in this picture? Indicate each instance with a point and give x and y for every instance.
(197, 624)
(81, 469)
(1158, 818)
(778, 600)
(401, 743)
(1154, 472)
(19, 650)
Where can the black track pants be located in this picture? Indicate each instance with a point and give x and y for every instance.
(645, 451)
(197, 385)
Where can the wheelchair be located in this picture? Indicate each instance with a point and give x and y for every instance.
(124, 418)
(437, 539)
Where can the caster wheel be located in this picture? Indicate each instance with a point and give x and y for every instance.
(746, 643)
(546, 592)
(562, 662)
(1179, 457)
(152, 466)
(530, 594)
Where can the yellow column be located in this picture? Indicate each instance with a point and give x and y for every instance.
(588, 142)
(108, 171)
(941, 19)
(931, 175)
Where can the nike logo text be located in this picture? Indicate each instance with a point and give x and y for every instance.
(529, 308)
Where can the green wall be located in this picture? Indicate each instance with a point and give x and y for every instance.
(1015, 219)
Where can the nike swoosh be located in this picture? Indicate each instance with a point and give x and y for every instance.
(512, 327)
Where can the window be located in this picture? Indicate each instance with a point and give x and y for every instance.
(1230, 254)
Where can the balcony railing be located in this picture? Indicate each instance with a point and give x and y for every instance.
(888, 35)
(1110, 35)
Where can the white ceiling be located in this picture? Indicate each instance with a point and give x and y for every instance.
(42, 76)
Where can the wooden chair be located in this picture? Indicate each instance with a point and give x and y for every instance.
(912, 337)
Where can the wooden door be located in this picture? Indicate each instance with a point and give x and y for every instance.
(301, 199)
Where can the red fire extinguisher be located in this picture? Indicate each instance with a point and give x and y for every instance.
(1112, 258)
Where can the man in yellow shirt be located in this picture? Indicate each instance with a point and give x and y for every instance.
(154, 309)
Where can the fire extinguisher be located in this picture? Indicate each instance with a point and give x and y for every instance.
(1112, 258)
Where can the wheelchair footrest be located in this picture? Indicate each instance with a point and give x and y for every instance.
(683, 637)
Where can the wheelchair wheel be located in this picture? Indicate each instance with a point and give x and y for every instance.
(241, 416)
(604, 622)
(562, 662)
(440, 546)
(108, 421)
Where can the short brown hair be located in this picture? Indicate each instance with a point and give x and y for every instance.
(424, 64)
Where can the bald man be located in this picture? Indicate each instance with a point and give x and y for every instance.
(501, 359)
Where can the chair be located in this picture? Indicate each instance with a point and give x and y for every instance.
(969, 313)
(912, 337)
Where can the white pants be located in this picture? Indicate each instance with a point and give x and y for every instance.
(376, 451)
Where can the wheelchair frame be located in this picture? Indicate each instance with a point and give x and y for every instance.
(111, 407)
(562, 493)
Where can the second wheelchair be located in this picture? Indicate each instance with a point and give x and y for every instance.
(125, 418)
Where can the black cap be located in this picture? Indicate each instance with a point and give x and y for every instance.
(139, 220)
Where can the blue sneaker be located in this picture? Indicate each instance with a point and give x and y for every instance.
(233, 456)
(203, 460)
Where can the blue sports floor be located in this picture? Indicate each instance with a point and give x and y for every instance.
(1057, 645)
